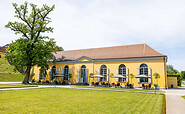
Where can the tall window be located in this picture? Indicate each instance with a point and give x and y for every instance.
(103, 72)
(122, 71)
(83, 74)
(143, 71)
(53, 72)
(66, 72)
(42, 73)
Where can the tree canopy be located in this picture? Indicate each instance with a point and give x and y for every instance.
(171, 70)
(32, 48)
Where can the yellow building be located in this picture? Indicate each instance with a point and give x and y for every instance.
(2, 52)
(140, 60)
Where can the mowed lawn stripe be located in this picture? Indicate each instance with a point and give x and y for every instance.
(60, 100)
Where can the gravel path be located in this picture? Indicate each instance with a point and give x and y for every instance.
(175, 104)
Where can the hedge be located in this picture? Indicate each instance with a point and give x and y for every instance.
(183, 74)
(179, 78)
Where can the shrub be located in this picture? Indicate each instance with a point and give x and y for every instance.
(33, 80)
(155, 85)
(55, 81)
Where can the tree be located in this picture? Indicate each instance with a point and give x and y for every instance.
(59, 48)
(171, 70)
(131, 76)
(156, 76)
(31, 48)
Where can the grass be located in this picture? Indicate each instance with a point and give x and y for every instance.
(60, 100)
(7, 74)
(13, 86)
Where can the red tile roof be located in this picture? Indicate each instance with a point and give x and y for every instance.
(117, 52)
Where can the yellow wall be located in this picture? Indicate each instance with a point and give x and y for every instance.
(172, 80)
(158, 66)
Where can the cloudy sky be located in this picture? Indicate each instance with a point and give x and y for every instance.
(80, 24)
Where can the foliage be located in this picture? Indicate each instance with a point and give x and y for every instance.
(155, 85)
(69, 101)
(33, 80)
(111, 74)
(156, 75)
(70, 75)
(32, 48)
(171, 70)
(91, 74)
(57, 48)
(55, 81)
(0, 56)
(179, 78)
(183, 74)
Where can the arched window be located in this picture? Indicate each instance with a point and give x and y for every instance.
(42, 73)
(143, 71)
(83, 74)
(103, 72)
(53, 72)
(122, 71)
(66, 72)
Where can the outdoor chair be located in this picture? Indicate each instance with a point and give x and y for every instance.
(113, 84)
(118, 85)
(149, 86)
(97, 83)
(92, 83)
(128, 85)
(107, 84)
(143, 86)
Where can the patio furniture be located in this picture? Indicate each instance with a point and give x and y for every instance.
(128, 85)
(97, 83)
(92, 83)
(113, 84)
(143, 86)
(107, 84)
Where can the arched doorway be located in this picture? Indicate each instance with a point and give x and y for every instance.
(83, 76)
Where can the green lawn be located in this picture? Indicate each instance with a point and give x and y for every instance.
(60, 100)
(13, 86)
(13, 77)
(7, 74)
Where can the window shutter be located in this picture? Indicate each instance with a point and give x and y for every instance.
(39, 74)
(149, 72)
(79, 76)
(50, 74)
(127, 74)
(117, 74)
(138, 80)
(137, 71)
(149, 80)
(62, 78)
(107, 74)
(98, 74)
(68, 73)
(86, 75)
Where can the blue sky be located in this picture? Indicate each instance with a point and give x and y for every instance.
(80, 24)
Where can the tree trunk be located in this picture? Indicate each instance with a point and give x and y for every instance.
(27, 75)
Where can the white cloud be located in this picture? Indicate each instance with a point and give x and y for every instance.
(98, 23)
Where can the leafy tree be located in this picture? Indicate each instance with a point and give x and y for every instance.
(32, 48)
(59, 48)
(171, 70)
(156, 76)
(131, 76)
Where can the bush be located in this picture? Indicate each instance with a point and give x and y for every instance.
(55, 81)
(155, 85)
(33, 80)
(183, 74)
